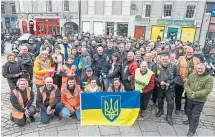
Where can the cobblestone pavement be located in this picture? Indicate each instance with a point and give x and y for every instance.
(147, 126)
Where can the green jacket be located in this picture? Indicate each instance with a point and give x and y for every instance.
(200, 85)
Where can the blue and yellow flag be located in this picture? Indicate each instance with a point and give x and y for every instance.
(80, 64)
(110, 108)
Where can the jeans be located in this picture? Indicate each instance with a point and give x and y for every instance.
(66, 113)
(45, 118)
(107, 82)
(178, 94)
(194, 110)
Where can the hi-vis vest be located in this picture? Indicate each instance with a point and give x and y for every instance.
(67, 70)
(183, 65)
(141, 81)
(15, 113)
(73, 100)
(44, 95)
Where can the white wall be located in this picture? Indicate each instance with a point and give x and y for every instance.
(98, 28)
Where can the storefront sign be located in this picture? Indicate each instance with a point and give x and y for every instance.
(175, 22)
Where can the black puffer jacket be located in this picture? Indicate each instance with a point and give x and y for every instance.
(9, 69)
(98, 61)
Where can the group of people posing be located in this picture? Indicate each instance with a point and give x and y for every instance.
(62, 69)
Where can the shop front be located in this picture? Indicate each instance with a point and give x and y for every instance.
(47, 26)
(174, 29)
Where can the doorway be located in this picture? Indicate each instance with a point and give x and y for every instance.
(139, 32)
(172, 34)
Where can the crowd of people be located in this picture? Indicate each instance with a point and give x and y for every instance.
(65, 67)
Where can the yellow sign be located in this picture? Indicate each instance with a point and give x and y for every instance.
(157, 31)
(188, 34)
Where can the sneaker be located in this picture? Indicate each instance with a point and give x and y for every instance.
(190, 134)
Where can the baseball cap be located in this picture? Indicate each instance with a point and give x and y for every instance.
(89, 69)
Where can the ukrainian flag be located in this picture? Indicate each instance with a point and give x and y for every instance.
(110, 108)
(80, 64)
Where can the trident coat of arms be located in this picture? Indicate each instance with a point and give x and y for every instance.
(111, 107)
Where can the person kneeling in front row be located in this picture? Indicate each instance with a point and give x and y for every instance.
(21, 99)
(198, 86)
(48, 100)
(70, 97)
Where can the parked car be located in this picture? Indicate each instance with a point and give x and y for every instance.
(25, 38)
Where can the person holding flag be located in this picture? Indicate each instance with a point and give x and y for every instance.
(84, 62)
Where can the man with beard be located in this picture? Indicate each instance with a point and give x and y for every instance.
(186, 65)
(166, 76)
(144, 82)
(128, 72)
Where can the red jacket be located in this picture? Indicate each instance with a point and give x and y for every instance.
(151, 85)
(132, 68)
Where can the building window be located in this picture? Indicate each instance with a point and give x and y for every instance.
(2, 9)
(109, 28)
(122, 29)
(99, 7)
(167, 10)
(190, 11)
(13, 9)
(84, 7)
(117, 7)
(148, 10)
(66, 5)
(50, 6)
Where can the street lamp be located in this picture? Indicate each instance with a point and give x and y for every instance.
(79, 16)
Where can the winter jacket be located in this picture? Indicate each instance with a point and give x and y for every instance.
(27, 60)
(97, 62)
(9, 69)
(115, 73)
(169, 74)
(32, 48)
(121, 57)
(106, 67)
(93, 51)
(128, 70)
(207, 49)
(200, 85)
(200, 56)
(109, 52)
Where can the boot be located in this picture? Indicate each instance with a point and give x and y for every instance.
(190, 134)
(169, 119)
(142, 113)
(169, 116)
(160, 113)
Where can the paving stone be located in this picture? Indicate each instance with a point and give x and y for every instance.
(132, 134)
(39, 128)
(205, 132)
(109, 130)
(10, 132)
(181, 130)
(130, 129)
(150, 133)
(166, 130)
(48, 132)
(209, 111)
(148, 126)
(27, 131)
(17, 134)
(88, 130)
(69, 126)
(211, 118)
(18, 129)
(68, 132)
(32, 134)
